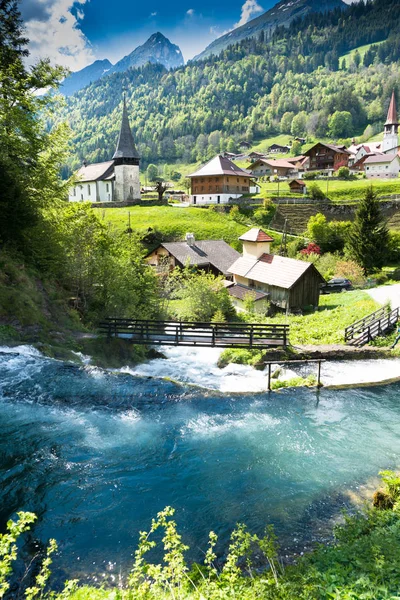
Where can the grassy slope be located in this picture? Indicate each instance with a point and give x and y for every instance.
(327, 324)
(174, 223)
(361, 49)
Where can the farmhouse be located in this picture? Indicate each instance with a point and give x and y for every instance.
(289, 283)
(215, 256)
(382, 166)
(326, 157)
(219, 181)
(264, 167)
(278, 149)
(114, 180)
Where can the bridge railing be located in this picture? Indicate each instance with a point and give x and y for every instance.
(359, 326)
(376, 327)
(190, 333)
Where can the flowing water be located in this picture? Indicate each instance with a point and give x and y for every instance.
(95, 454)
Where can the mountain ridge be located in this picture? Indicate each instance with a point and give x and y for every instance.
(282, 13)
(158, 49)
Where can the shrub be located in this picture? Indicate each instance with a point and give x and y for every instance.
(349, 269)
(326, 265)
(312, 248)
(344, 173)
(315, 192)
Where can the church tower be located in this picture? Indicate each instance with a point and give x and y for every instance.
(390, 136)
(126, 163)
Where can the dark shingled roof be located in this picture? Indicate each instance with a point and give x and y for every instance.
(219, 165)
(240, 292)
(126, 146)
(204, 252)
(96, 171)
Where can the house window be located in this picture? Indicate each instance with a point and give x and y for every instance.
(131, 190)
(88, 189)
(252, 283)
(107, 187)
(74, 191)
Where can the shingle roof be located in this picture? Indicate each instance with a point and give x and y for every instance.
(240, 292)
(256, 235)
(204, 252)
(280, 163)
(331, 147)
(392, 112)
(125, 146)
(380, 158)
(96, 171)
(271, 269)
(220, 165)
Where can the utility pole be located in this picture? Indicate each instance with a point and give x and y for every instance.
(283, 248)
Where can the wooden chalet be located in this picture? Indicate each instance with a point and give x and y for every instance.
(279, 149)
(326, 157)
(289, 283)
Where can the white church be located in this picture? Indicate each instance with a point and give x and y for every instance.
(116, 180)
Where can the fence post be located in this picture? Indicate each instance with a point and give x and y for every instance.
(251, 336)
(319, 375)
(213, 335)
(269, 377)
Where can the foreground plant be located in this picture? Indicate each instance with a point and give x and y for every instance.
(362, 563)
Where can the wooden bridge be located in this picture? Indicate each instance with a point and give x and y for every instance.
(186, 333)
(377, 323)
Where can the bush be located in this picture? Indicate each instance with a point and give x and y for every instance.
(326, 265)
(315, 192)
(349, 269)
(312, 248)
(344, 173)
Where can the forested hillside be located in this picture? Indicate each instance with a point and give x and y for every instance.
(290, 83)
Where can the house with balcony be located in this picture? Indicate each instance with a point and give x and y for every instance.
(327, 158)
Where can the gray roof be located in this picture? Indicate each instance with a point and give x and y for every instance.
(204, 252)
(380, 158)
(126, 146)
(96, 171)
(220, 165)
(240, 291)
(271, 269)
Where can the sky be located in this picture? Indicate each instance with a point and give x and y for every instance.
(75, 34)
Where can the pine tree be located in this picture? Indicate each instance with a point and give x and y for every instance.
(369, 236)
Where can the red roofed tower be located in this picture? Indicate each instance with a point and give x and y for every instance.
(390, 136)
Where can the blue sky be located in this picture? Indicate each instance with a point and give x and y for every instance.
(76, 33)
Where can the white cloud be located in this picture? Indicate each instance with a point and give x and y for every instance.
(153, 14)
(58, 36)
(249, 10)
(190, 12)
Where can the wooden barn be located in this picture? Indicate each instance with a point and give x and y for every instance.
(290, 284)
(298, 186)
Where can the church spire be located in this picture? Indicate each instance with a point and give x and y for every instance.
(126, 146)
(392, 112)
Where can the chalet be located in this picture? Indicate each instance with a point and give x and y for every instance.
(113, 180)
(326, 157)
(382, 166)
(300, 139)
(279, 149)
(220, 181)
(301, 163)
(289, 283)
(244, 145)
(266, 167)
(256, 155)
(215, 256)
(298, 186)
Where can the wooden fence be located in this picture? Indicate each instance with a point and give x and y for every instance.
(377, 323)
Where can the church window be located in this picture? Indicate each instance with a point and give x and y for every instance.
(107, 187)
(131, 190)
(74, 191)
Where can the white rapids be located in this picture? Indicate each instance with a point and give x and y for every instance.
(198, 366)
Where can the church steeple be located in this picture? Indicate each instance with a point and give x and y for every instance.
(390, 136)
(126, 151)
